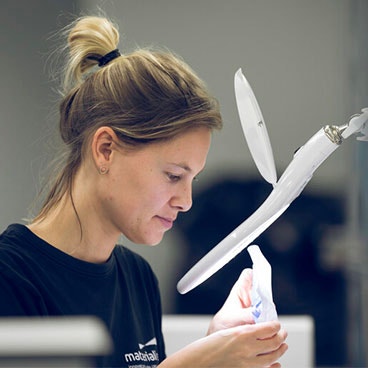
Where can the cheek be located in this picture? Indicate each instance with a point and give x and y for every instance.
(159, 199)
(139, 195)
(148, 192)
(149, 201)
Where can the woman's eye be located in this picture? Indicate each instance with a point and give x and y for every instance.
(173, 177)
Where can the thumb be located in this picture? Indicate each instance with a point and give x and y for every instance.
(239, 317)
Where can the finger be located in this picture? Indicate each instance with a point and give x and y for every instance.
(244, 287)
(240, 317)
(261, 332)
(272, 357)
(268, 346)
(240, 292)
(267, 330)
(275, 365)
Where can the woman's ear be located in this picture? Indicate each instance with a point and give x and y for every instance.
(102, 146)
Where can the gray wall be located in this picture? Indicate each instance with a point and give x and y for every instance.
(26, 100)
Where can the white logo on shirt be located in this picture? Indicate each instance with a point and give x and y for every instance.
(147, 353)
(149, 343)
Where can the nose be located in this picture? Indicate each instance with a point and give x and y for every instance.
(183, 199)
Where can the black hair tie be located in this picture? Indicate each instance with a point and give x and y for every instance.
(108, 57)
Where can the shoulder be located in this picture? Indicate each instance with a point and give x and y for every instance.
(15, 234)
(20, 258)
(18, 245)
(13, 243)
(10, 233)
(16, 264)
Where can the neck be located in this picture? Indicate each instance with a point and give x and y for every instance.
(85, 240)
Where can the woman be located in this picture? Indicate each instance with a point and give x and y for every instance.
(137, 130)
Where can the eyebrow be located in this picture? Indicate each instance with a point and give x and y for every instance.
(185, 167)
(182, 165)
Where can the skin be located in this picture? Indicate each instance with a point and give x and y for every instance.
(140, 195)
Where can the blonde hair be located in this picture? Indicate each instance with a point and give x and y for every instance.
(145, 96)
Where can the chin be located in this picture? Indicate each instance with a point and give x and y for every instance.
(154, 242)
(147, 241)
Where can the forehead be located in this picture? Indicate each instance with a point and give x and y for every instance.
(191, 139)
(188, 149)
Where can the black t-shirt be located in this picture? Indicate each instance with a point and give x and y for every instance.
(37, 279)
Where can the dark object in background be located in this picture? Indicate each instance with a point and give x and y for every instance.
(301, 284)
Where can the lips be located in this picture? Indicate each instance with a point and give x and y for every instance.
(166, 222)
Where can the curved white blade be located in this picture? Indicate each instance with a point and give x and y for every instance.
(296, 176)
(254, 128)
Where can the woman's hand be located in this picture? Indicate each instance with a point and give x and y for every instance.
(236, 310)
(233, 339)
(244, 346)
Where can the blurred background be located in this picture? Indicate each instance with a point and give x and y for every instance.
(307, 62)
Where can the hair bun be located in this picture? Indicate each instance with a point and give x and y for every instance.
(90, 40)
(104, 60)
